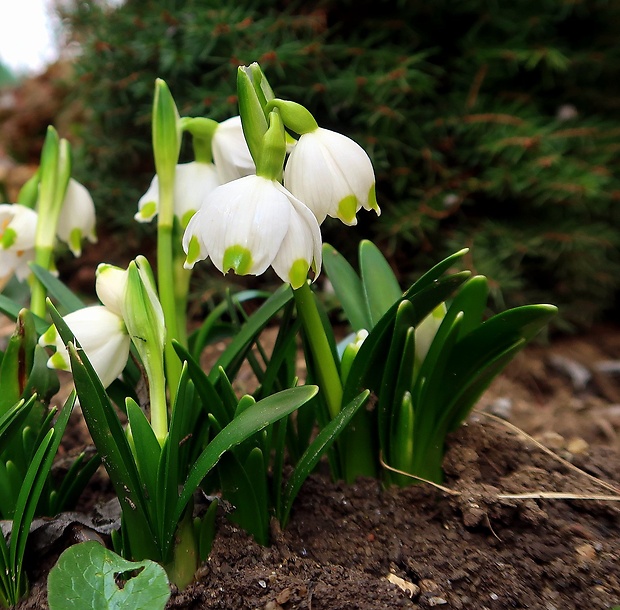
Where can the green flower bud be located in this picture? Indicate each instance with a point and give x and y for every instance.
(273, 150)
(251, 109)
(295, 116)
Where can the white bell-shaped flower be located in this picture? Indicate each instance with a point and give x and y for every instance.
(101, 334)
(193, 182)
(252, 223)
(18, 226)
(111, 285)
(332, 175)
(77, 217)
(231, 154)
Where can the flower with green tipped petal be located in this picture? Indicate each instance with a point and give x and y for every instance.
(77, 217)
(231, 154)
(252, 223)
(193, 182)
(100, 329)
(101, 334)
(18, 225)
(332, 175)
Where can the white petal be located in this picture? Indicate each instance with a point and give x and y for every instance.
(110, 285)
(193, 182)
(147, 212)
(325, 168)
(231, 154)
(77, 212)
(251, 213)
(102, 336)
(22, 222)
(302, 242)
(192, 238)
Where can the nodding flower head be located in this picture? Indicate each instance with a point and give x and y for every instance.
(252, 223)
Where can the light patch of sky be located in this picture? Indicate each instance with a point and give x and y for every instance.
(27, 35)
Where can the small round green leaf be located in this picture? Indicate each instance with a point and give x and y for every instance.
(87, 575)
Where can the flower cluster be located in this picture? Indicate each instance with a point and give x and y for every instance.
(256, 198)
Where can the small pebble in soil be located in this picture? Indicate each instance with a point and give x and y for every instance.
(586, 552)
(577, 446)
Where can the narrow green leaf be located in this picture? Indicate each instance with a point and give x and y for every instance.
(348, 288)
(259, 416)
(147, 448)
(323, 441)
(404, 440)
(14, 418)
(206, 531)
(403, 385)
(109, 437)
(65, 297)
(381, 289)
(245, 492)
(212, 326)
(234, 354)
(403, 322)
(369, 364)
(11, 309)
(85, 577)
(211, 400)
(32, 486)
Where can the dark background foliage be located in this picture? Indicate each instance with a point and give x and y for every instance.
(491, 125)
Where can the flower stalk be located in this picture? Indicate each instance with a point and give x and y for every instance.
(166, 147)
(329, 379)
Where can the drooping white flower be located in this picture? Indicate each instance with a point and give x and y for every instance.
(101, 334)
(110, 286)
(77, 217)
(252, 223)
(332, 175)
(18, 225)
(231, 154)
(100, 330)
(193, 182)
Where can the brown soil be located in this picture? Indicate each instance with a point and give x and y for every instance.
(472, 550)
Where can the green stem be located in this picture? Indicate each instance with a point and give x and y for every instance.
(329, 378)
(159, 407)
(38, 294)
(165, 282)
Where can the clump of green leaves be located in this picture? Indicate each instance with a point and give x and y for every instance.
(428, 357)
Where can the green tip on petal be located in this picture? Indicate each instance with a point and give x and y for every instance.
(75, 242)
(193, 252)
(237, 258)
(147, 211)
(298, 273)
(49, 336)
(186, 218)
(8, 238)
(58, 362)
(372, 200)
(347, 208)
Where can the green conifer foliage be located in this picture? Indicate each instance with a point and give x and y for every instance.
(491, 125)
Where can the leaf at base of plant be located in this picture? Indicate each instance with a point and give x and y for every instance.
(86, 577)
